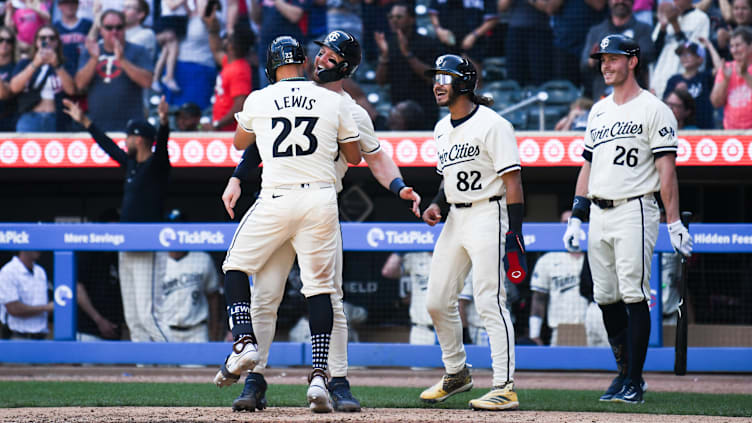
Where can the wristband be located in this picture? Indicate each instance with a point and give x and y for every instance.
(396, 185)
(581, 207)
(534, 324)
(515, 212)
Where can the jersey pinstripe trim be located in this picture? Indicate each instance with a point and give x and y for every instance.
(374, 151)
(642, 274)
(242, 222)
(349, 139)
(499, 285)
(665, 149)
(507, 169)
(237, 119)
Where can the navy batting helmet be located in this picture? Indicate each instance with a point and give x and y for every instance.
(284, 50)
(617, 44)
(345, 45)
(465, 77)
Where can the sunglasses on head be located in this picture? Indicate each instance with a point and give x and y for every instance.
(113, 27)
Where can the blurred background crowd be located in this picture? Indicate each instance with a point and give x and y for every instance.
(116, 57)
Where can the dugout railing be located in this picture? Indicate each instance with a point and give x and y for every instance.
(65, 239)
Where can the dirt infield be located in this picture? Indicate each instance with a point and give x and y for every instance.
(706, 383)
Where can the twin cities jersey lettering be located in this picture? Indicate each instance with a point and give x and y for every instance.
(472, 155)
(298, 126)
(620, 142)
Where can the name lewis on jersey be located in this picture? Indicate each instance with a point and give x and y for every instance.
(616, 130)
(299, 101)
(458, 152)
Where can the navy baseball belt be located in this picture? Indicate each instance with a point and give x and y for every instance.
(320, 185)
(468, 205)
(609, 204)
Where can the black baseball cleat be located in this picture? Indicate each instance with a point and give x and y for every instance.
(631, 393)
(253, 396)
(343, 399)
(614, 389)
(617, 385)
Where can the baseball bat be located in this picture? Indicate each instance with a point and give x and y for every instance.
(680, 346)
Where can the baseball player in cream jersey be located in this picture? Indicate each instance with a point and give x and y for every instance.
(338, 58)
(412, 270)
(299, 129)
(630, 154)
(187, 288)
(479, 161)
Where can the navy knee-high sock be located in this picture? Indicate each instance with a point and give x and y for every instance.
(616, 321)
(639, 335)
(320, 321)
(238, 300)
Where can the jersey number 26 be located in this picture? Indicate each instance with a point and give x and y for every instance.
(624, 156)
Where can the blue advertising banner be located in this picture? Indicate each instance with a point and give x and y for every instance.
(708, 238)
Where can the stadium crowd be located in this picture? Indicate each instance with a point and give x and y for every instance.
(115, 56)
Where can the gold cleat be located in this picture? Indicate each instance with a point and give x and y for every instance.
(498, 398)
(448, 386)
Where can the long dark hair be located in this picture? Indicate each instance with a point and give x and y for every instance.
(12, 34)
(58, 49)
(689, 104)
(483, 100)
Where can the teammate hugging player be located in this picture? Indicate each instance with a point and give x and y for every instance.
(484, 187)
(338, 58)
(299, 128)
(630, 154)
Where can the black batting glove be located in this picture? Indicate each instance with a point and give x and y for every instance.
(515, 263)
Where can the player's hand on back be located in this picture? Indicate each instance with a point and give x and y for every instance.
(408, 193)
(572, 235)
(432, 215)
(681, 240)
(231, 195)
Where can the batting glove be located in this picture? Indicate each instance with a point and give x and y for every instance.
(515, 263)
(572, 235)
(681, 240)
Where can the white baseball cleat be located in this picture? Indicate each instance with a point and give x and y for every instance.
(244, 357)
(318, 394)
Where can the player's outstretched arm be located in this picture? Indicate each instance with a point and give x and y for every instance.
(386, 171)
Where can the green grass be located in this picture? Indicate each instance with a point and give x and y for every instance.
(98, 394)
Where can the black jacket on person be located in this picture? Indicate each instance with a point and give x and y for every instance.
(145, 184)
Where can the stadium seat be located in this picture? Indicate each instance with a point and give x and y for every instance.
(517, 118)
(560, 91)
(551, 114)
(506, 91)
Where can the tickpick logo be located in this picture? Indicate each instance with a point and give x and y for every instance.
(166, 235)
(374, 236)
